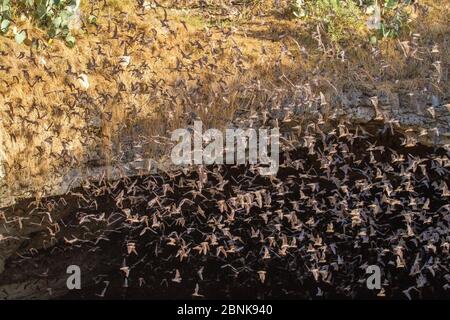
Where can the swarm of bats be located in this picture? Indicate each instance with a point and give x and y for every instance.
(342, 200)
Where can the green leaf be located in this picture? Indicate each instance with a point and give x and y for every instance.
(5, 25)
(5, 6)
(70, 41)
(20, 36)
(57, 22)
(92, 19)
(373, 40)
(42, 11)
(390, 4)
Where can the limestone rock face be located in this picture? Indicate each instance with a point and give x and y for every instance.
(422, 119)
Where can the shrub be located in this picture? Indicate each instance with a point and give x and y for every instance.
(55, 16)
(5, 15)
(345, 18)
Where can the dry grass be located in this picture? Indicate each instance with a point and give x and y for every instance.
(198, 65)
